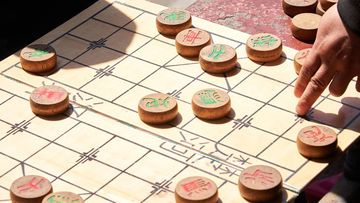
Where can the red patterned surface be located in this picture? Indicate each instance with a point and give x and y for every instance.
(250, 16)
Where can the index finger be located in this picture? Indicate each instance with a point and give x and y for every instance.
(314, 88)
(311, 65)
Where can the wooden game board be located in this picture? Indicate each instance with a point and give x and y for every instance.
(110, 56)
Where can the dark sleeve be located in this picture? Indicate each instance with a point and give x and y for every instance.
(349, 11)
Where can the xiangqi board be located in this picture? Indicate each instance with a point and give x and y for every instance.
(108, 58)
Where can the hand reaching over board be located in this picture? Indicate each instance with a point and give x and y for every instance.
(333, 60)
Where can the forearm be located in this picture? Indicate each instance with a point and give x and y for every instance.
(349, 11)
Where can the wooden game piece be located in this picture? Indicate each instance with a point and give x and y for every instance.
(211, 103)
(294, 7)
(157, 108)
(30, 189)
(38, 58)
(260, 183)
(319, 9)
(263, 47)
(189, 42)
(172, 21)
(300, 58)
(304, 26)
(316, 141)
(63, 197)
(326, 4)
(49, 100)
(217, 58)
(196, 189)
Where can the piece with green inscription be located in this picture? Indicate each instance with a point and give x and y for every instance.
(210, 96)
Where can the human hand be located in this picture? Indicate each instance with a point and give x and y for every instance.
(334, 59)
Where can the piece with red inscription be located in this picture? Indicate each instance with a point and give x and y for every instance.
(196, 189)
(63, 197)
(38, 58)
(260, 183)
(30, 189)
(263, 47)
(172, 21)
(49, 100)
(316, 141)
(189, 42)
(300, 58)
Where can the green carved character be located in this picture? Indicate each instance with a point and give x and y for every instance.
(266, 40)
(173, 16)
(217, 52)
(155, 103)
(38, 53)
(209, 97)
(61, 199)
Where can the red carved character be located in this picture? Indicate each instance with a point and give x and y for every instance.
(316, 134)
(32, 184)
(191, 36)
(49, 94)
(304, 55)
(196, 186)
(259, 176)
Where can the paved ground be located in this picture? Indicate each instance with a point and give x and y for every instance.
(248, 16)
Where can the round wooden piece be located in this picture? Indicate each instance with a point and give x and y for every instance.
(211, 104)
(263, 47)
(326, 4)
(217, 58)
(304, 26)
(300, 58)
(260, 183)
(319, 9)
(49, 100)
(316, 141)
(196, 189)
(63, 197)
(30, 189)
(157, 108)
(294, 7)
(172, 21)
(38, 58)
(189, 42)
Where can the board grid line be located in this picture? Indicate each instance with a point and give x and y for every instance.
(288, 187)
(182, 128)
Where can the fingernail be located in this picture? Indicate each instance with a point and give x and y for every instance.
(301, 109)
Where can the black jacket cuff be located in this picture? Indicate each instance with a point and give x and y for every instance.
(349, 11)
